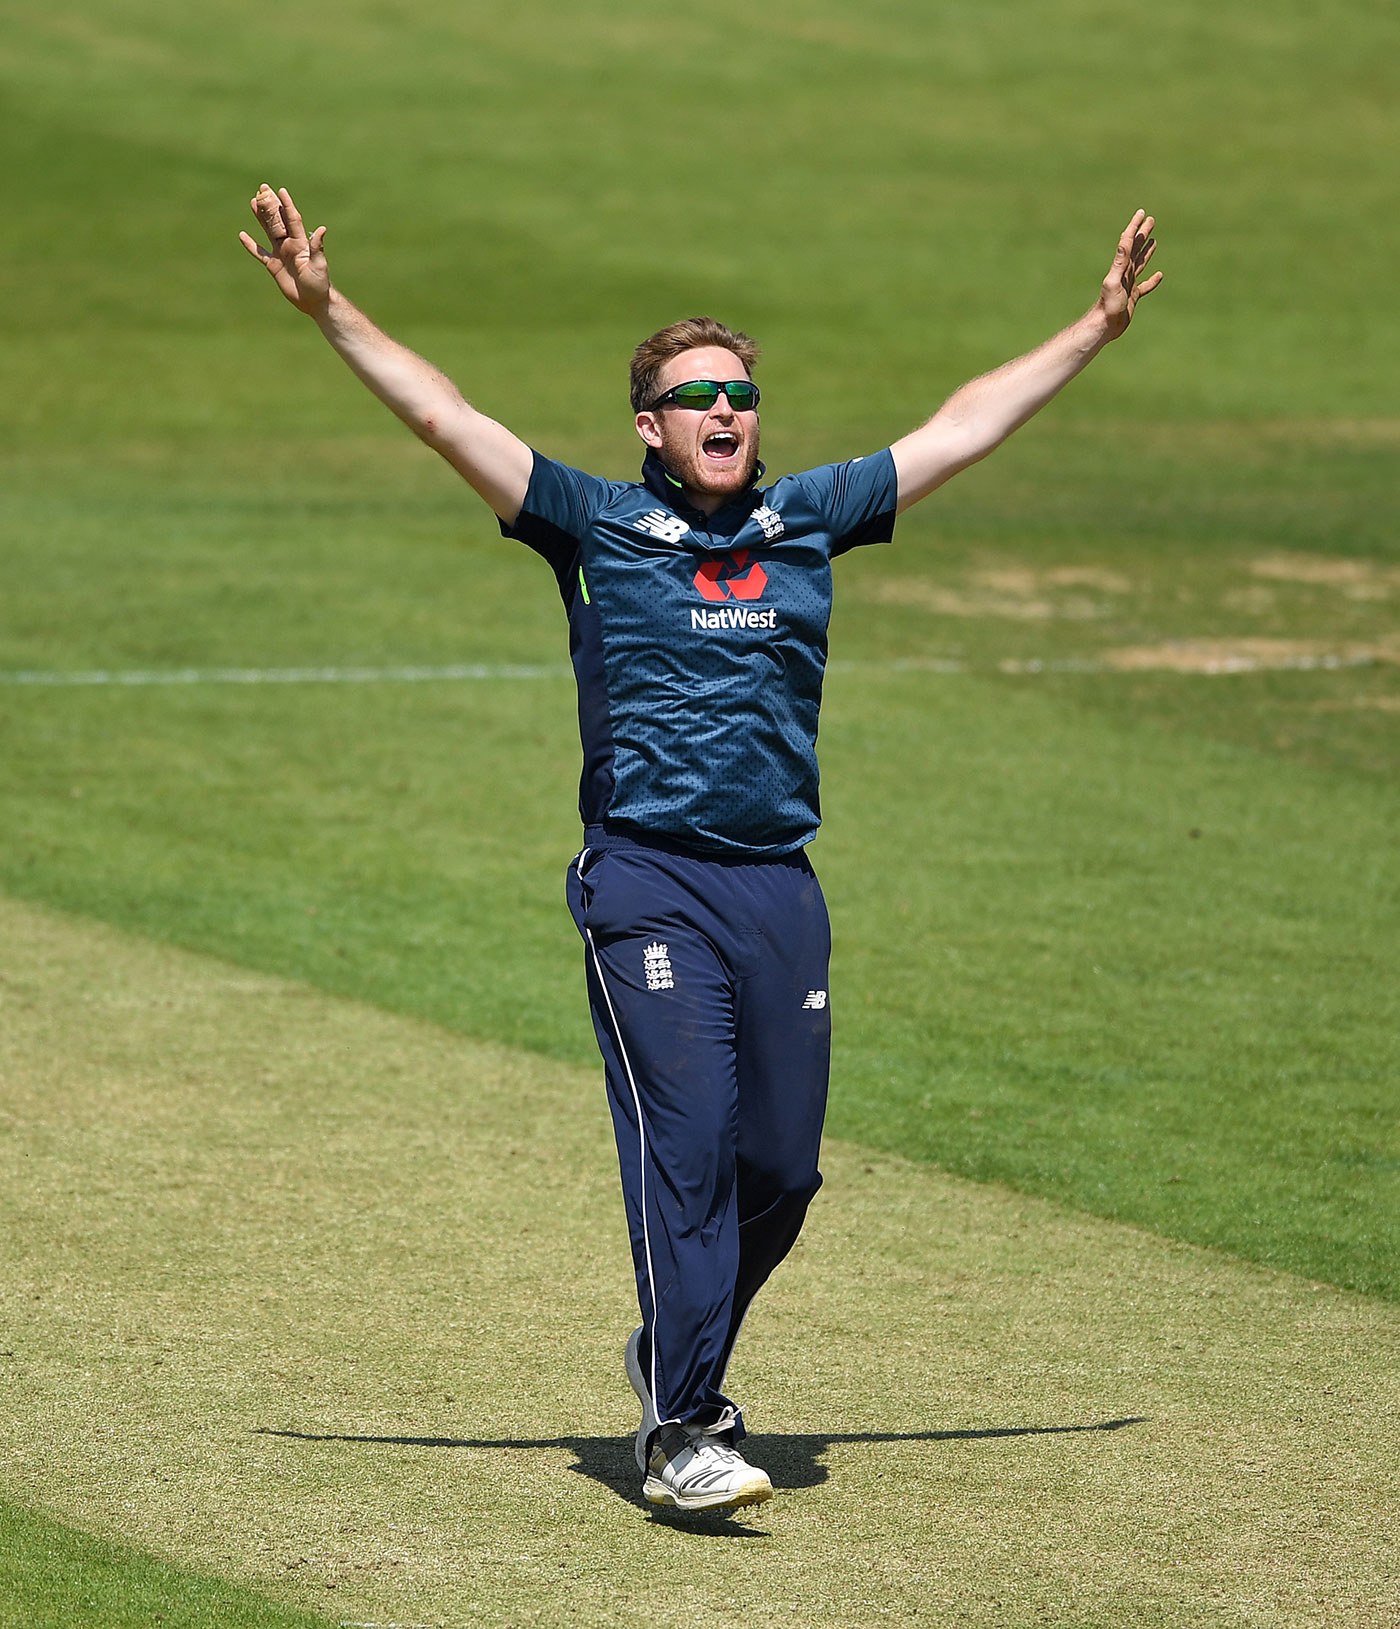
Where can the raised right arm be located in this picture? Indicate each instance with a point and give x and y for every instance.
(494, 462)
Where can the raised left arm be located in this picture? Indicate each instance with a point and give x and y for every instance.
(979, 417)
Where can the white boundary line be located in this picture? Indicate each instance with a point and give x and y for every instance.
(138, 678)
(290, 675)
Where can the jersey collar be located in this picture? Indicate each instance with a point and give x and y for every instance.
(658, 480)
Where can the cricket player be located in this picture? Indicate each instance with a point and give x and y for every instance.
(698, 603)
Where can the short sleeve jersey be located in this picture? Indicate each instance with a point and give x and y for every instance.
(699, 643)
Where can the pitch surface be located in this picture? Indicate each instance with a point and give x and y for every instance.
(330, 1302)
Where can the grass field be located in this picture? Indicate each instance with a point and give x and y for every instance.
(1115, 929)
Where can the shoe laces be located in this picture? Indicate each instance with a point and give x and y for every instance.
(714, 1451)
(720, 1445)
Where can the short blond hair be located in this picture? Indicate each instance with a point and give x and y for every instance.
(653, 354)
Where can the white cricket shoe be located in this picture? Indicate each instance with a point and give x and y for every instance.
(692, 1471)
(631, 1356)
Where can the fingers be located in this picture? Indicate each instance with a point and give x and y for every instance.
(1149, 285)
(318, 237)
(1136, 247)
(1129, 234)
(278, 216)
(268, 210)
(283, 277)
(295, 226)
(1136, 235)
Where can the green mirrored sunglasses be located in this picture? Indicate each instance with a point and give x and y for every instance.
(704, 393)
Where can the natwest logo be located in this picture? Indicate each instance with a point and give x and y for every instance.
(733, 616)
(721, 580)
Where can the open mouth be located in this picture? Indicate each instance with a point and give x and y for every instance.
(721, 445)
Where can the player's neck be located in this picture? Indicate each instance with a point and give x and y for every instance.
(659, 478)
(708, 503)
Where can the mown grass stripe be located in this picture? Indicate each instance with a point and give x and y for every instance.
(53, 1576)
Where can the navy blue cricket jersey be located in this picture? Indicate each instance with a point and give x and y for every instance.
(699, 643)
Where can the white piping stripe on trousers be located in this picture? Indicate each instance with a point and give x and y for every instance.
(642, 1140)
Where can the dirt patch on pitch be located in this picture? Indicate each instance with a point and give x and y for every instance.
(1246, 655)
(1357, 579)
(1345, 432)
(1016, 593)
(1372, 704)
(1025, 580)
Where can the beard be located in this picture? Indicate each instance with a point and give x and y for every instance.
(685, 459)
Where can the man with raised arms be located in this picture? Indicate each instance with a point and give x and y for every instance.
(698, 603)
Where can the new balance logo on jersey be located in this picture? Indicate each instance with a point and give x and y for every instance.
(771, 522)
(659, 523)
(816, 1000)
(656, 964)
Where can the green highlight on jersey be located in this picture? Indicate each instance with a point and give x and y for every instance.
(583, 587)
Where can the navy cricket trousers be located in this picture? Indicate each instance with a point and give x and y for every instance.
(708, 984)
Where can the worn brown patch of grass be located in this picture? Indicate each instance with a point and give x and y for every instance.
(983, 599)
(1246, 655)
(331, 1303)
(1358, 579)
(1374, 704)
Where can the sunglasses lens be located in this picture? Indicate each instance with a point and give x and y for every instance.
(702, 394)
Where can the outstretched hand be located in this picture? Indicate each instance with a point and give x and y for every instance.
(1121, 288)
(297, 262)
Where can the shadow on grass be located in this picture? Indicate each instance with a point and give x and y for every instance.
(793, 1461)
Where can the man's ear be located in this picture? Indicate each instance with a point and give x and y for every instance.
(649, 429)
